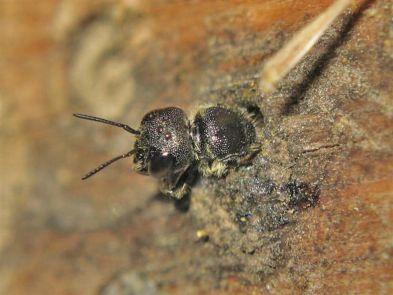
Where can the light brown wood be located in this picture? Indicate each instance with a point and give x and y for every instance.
(328, 125)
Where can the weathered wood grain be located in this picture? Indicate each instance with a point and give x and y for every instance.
(329, 126)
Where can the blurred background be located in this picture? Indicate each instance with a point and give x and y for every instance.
(114, 234)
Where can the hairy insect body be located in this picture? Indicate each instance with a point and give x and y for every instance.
(222, 137)
(164, 142)
(164, 147)
(172, 149)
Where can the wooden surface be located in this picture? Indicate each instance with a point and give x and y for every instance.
(328, 126)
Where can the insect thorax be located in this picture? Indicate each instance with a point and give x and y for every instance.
(221, 133)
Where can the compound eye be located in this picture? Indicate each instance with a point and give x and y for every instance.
(161, 163)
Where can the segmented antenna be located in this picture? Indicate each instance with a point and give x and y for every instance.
(121, 125)
(103, 165)
(100, 120)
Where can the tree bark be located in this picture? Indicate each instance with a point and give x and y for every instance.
(311, 214)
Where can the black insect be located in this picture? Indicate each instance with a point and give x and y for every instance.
(174, 150)
(171, 148)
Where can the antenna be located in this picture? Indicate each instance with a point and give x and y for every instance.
(103, 165)
(100, 120)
